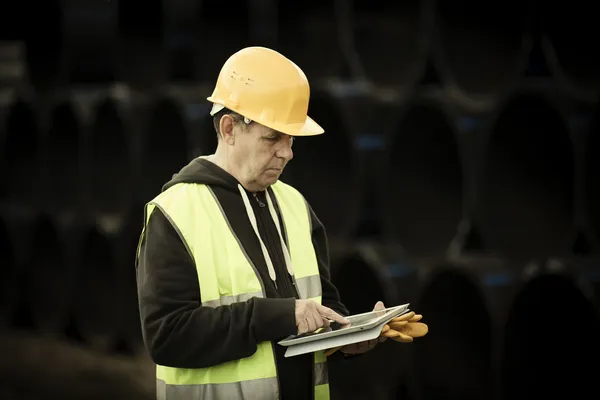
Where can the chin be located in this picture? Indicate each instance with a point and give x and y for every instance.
(270, 181)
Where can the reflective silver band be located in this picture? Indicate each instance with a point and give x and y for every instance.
(227, 300)
(309, 286)
(257, 389)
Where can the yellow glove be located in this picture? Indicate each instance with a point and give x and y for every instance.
(401, 329)
(405, 328)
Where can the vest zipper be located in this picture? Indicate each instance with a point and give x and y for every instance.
(260, 203)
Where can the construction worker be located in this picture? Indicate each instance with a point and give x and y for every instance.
(231, 259)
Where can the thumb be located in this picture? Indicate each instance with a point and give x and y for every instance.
(329, 313)
(379, 307)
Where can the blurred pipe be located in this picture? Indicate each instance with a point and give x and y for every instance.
(165, 146)
(142, 59)
(8, 270)
(207, 138)
(44, 43)
(48, 368)
(90, 36)
(570, 44)
(526, 185)
(481, 53)
(540, 357)
(392, 40)
(309, 36)
(363, 274)
(366, 272)
(326, 168)
(421, 181)
(344, 16)
(454, 360)
(108, 187)
(22, 154)
(49, 279)
(263, 22)
(223, 31)
(95, 305)
(62, 159)
(591, 174)
(195, 111)
(181, 38)
(127, 243)
(13, 71)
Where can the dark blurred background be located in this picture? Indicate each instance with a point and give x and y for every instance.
(459, 172)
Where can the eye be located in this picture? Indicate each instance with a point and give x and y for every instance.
(272, 138)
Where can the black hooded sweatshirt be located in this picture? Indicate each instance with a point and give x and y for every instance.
(179, 332)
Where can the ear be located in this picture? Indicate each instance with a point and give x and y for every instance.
(226, 125)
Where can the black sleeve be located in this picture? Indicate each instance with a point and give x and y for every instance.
(331, 297)
(177, 330)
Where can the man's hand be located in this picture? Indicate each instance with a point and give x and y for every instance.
(363, 347)
(311, 316)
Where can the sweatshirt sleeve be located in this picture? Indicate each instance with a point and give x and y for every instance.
(331, 297)
(177, 330)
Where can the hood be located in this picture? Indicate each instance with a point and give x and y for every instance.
(202, 171)
(205, 172)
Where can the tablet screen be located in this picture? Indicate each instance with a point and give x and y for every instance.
(355, 321)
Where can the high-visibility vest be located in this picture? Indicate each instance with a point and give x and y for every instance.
(226, 275)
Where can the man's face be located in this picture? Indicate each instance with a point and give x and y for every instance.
(260, 153)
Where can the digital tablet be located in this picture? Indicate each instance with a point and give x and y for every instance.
(358, 322)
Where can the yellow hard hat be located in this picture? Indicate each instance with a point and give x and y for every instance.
(264, 86)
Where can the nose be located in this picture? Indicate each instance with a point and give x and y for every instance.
(285, 150)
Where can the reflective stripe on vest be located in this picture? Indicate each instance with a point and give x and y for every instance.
(196, 214)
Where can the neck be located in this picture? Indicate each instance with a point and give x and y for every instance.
(222, 159)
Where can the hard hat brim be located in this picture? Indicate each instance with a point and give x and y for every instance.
(309, 128)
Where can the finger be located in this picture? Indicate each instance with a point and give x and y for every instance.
(326, 322)
(311, 324)
(398, 325)
(390, 333)
(320, 321)
(317, 320)
(302, 328)
(404, 317)
(305, 325)
(416, 318)
(360, 347)
(416, 329)
(385, 328)
(402, 338)
(365, 346)
(380, 307)
(329, 313)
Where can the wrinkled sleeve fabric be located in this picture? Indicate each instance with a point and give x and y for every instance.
(177, 330)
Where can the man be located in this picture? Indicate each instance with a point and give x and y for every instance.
(231, 259)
